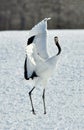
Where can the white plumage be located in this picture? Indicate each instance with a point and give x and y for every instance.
(38, 64)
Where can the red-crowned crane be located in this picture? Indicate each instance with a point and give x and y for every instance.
(38, 65)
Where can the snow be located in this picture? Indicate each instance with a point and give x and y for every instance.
(64, 91)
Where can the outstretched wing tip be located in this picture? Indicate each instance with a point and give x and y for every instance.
(37, 35)
(46, 19)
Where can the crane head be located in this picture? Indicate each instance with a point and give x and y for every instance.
(56, 39)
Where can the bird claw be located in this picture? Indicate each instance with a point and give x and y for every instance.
(33, 112)
(45, 112)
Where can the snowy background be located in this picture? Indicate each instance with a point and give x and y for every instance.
(64, 91)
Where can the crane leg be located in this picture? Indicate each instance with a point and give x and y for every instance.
(31, 100)
(44, 101)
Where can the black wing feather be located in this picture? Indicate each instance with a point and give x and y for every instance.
(30, 40)
(25, 69)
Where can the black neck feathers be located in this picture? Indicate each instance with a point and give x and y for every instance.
(59, 48)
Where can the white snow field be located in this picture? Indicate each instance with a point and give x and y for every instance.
(64, 91)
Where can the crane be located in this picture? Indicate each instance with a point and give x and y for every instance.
(38, 65)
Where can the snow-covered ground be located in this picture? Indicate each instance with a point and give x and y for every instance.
(64, 91)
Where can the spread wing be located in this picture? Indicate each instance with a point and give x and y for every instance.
(38, 36)
(36, 50)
